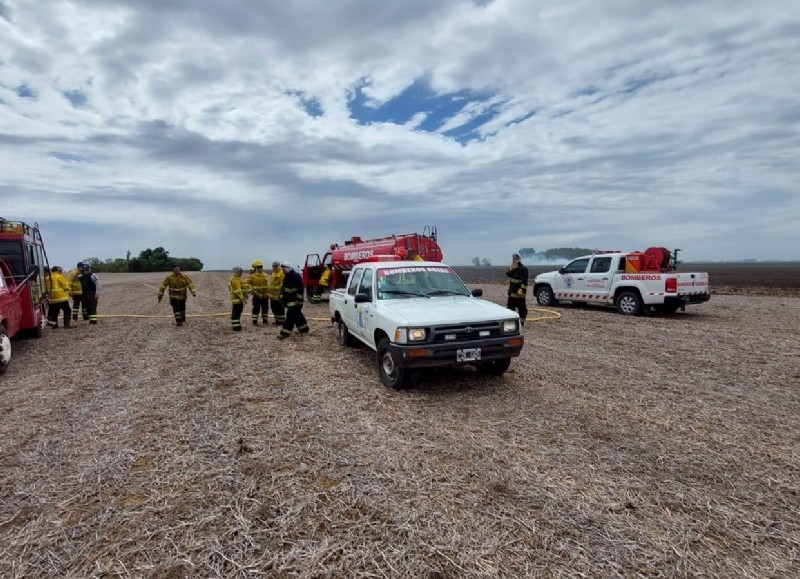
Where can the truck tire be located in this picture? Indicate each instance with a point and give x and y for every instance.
(5, 351)
(629, 303)
(390, 373)
(345, 337)
(494, 367)
(545, 297)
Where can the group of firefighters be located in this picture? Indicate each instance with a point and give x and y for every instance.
(280, 292)
(81, 285)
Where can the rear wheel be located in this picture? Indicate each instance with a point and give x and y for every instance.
(494, 367)
(345, 338)
(390, 373)
(629, 303)
(5, 351)
(545, 297)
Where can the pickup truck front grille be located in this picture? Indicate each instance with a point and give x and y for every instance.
(465, 332)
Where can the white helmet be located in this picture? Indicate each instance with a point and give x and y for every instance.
(287, 264)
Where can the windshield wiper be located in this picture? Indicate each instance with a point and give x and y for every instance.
(404, 293)
(442, 292)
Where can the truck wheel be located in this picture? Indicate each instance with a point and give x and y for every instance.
(5, 351)
(390, 373)
(544, 296)
(345, 338)
(629, 303)
(494, 367)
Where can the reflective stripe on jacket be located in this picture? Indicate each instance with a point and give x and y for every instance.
(275, 283)
(292, 290)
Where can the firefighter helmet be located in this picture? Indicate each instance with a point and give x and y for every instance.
(258, 263)
(237, 270)
(287, 264)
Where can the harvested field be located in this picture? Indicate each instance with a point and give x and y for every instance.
(615, 446)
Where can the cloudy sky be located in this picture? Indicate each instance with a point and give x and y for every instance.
(241, 129)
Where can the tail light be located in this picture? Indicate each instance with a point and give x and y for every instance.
(671, 285)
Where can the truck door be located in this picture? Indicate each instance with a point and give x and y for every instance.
(572, 279)
(598, 279)
(364, 320)
(350, 309)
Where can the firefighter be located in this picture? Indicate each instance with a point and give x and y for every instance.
(517, 287)
(76, 293)
(412, 255)
(292, 299)
(274, 293)
(90, 292)
(178, 283)
(258, 285)
(322, 285)
(238, 298)
(58, 293)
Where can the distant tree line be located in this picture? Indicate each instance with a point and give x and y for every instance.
(157, 259)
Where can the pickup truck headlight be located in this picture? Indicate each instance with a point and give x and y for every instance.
(510, 326)
(410, 335)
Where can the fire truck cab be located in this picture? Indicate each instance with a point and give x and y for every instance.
(340, 259)
(23, 298)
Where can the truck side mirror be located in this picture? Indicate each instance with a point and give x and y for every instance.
(477, 292)
(362, 298)
(562, 270)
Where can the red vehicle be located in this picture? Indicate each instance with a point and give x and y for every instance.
(341, 258)
(23, 299)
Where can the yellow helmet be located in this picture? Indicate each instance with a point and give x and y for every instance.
(258, 263)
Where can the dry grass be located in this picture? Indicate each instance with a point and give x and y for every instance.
(656, 446)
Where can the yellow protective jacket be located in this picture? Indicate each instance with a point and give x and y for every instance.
(258, 284)
(74, 282)
(177, 284)
(325, 278)
(57, 287)
(275, 283)
(237, 290)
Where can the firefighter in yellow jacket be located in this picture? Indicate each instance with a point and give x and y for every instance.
(274, 292)
(322, 285)
(76, 292)
(178, 283)
(238, 294)
(58, 293)
(258, 285)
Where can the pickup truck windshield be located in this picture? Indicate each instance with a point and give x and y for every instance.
(415, 282)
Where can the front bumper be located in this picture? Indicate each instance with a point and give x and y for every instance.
(433, 355)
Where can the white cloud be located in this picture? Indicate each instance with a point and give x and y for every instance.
(636, 124)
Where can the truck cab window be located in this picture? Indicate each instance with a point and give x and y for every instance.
(600, 265)
(355, 279)
(365, 287)
(577, 266)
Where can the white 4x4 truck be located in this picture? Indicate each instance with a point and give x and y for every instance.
(618, 279)
(418, 314)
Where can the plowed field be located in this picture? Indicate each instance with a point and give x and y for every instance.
(614, 446)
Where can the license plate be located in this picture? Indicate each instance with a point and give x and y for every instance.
(468, 355)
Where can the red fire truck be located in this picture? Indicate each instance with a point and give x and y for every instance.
(23, 298)
(341, 258)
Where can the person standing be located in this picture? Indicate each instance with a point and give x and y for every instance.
(258, 284)
(58, 292)
(178, 284)
(238, 299)
(90, 292)
(274, 293)
(292, 299)
(76, 293)
(517, 287)
(322, 285)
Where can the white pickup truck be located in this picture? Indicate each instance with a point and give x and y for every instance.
(602, 279)
(419, 314)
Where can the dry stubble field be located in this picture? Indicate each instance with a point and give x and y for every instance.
(615, 446)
